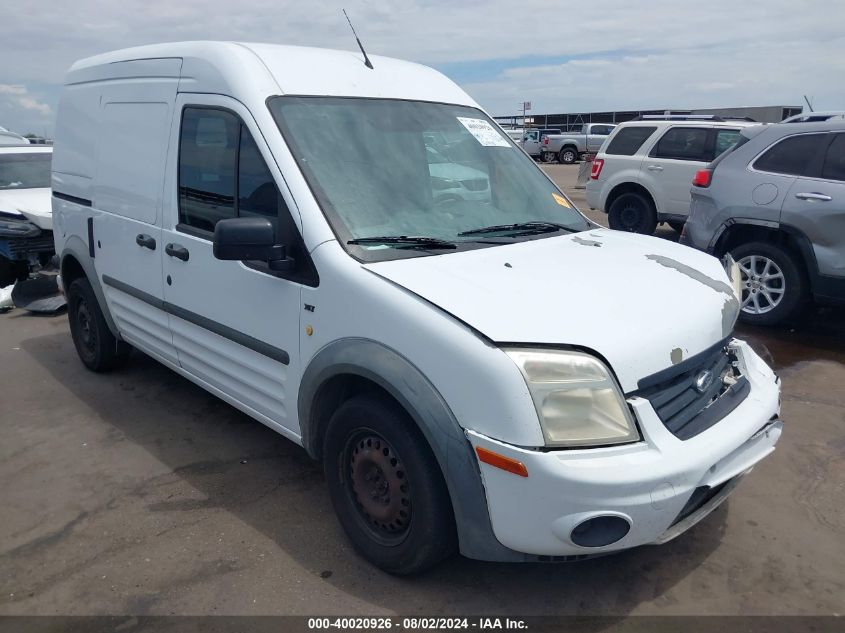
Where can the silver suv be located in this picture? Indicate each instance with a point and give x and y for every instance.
(641, 175)
(776, 203)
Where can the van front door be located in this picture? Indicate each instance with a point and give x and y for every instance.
(235, 324)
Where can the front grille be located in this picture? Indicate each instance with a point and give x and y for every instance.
(684, 407)
(17, 248)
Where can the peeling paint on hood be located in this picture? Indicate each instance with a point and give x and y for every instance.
(730, 310)
(633, 301)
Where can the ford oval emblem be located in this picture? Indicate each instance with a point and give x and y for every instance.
(703, 381)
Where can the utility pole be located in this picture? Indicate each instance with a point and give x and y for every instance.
(526, 105)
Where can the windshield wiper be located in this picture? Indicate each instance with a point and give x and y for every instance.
(520, 228)
(404, 241)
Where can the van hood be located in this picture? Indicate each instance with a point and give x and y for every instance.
(642, 303)
(32, 204)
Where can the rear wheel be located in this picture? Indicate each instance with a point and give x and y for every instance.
(568, 155)
(386, 486)
(774, 286)
(634, 213)
(97, 347)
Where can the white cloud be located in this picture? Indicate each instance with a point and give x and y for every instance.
(627, 54)
(9, 89)
(21, 110)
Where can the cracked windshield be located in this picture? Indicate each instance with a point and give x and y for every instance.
(396, 176)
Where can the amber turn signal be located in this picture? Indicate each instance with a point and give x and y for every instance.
(500, 461)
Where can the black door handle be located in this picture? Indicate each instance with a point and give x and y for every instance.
(178, 251)
(147, 241)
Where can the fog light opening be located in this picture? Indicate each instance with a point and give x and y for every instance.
(600, 531)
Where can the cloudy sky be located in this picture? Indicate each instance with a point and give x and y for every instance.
(610, 55)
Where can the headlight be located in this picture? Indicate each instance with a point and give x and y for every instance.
(577, 400)
(12, 227)
(734, 274)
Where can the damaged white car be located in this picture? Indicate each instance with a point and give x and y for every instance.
(26, 227)
(488, 372)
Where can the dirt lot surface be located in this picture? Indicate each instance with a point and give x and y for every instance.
(138, 493)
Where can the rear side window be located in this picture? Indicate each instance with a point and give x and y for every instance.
(725, 139)
(683, 143)
(791, 155)
(629, 139)
(834, 160)
(221, 171)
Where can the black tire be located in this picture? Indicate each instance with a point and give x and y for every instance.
(676, 225)
(790, 291)
(633, 212)
(568, 155)
(11, 272)
(404, 523)
(97, 347)
(7, 273)
(548, 157)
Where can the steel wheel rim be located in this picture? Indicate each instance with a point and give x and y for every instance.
(378, 487)
(87, 334)
(763, 284)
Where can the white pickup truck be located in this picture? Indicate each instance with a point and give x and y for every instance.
(569, 147)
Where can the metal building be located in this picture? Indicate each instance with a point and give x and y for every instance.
(573, 120)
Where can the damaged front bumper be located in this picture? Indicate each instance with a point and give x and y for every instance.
(27, 261)
(630, 495)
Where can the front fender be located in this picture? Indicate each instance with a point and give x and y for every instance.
(398, 376)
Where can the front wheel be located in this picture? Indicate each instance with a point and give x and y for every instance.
(634, 213)
(774, 287)
(568, 155)
(386, 486)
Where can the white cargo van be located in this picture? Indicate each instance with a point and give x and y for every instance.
(478, 373)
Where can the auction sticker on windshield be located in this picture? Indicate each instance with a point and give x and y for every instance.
(483, 132)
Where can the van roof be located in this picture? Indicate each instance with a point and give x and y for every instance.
(271, 69)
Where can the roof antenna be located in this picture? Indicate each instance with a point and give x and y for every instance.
(367, 61)
(805, 98)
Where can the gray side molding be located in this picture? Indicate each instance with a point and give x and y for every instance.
(79, 250)
(407, 384)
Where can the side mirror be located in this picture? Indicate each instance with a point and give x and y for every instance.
(245, 239)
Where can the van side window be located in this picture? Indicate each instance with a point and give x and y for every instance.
(257, 191)
(221, 172)
(208, 152)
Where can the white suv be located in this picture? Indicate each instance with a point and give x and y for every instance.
(643, 172)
